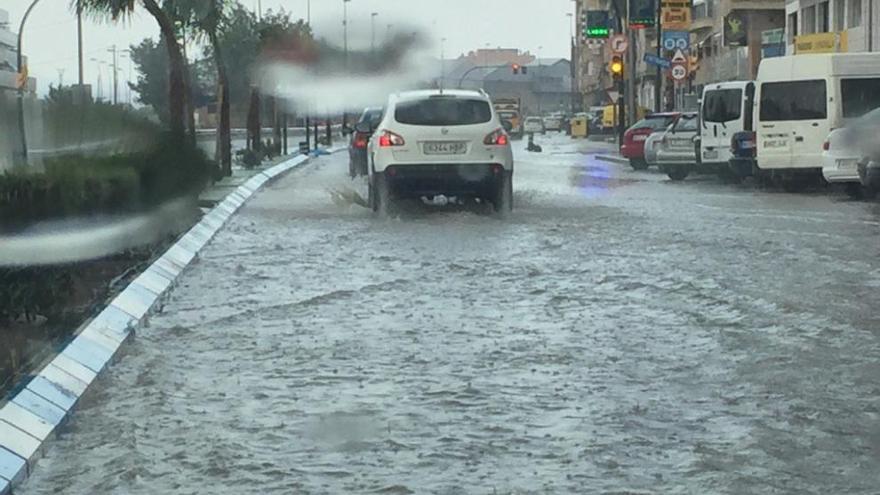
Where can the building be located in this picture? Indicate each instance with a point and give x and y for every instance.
(730, 36)
(544, 87)
(9, 56)
(824, 26)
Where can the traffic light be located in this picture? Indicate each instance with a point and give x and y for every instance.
(516, 68)
(519, 69)
(616, 67)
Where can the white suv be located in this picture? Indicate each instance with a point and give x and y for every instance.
(434, 142)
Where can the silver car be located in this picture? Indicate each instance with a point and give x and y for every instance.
(652, 145)
(677, 154)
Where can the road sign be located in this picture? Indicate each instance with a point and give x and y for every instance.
(613, 95)
(618, 43)
(679, 57)
(658, 61)
(679, 70)
(676, 40)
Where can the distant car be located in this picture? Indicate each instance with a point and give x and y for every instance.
(845, 147)
(633, 146)
(553, 123)
(679, 148)
(440, 143)
(357, 146)
(534, 125)
(652, 144)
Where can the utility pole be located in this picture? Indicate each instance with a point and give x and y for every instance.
(373, 33)
(658, 84)
(115, 79)
(345, 48)
(442, 63)
(79, 42)
(60, 77)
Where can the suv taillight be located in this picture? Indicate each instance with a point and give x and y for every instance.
(826, 145)
(497, 138)
(389, 139)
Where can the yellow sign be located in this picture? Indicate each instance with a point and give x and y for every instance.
(821, 43)
(675, 15)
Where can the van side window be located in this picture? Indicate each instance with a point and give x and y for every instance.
(748, 120)
(794, 100)
(859, 96)
(722, 105)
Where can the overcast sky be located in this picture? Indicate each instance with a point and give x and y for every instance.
(50, 35)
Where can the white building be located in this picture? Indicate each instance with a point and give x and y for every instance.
(822, 26)
(8, 56)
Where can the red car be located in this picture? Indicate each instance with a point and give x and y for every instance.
(633, 146)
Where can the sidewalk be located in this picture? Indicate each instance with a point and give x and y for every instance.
(218, 191)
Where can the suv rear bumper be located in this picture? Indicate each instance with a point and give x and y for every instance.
(467, 179)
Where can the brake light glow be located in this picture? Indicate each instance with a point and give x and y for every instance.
(389, 139)
(360, 140)
(497, 138)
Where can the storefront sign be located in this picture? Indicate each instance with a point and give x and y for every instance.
(820, 43)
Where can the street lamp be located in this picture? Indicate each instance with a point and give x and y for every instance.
(23, 153)
(373, 31)
(345, 48)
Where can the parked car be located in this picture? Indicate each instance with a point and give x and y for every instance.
(633, 146)
(845, 147)
(801, 99)
(553, 123)
(869, 175)
(440, 142)
(743, 158)
(652, 144)
(679, 149)
(534, 125)
(726, 109)
(357, 146)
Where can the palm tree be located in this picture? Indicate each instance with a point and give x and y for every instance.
(209, 18)
(120, 9)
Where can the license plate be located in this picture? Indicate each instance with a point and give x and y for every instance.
(640, 137)
(710, 154)
(445, 148)
(847, 164)
(776, 144)
(747, 145)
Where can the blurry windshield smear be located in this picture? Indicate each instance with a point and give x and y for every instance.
(324, 77)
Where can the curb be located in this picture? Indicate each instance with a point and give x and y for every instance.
(45, 403)
(613, 159)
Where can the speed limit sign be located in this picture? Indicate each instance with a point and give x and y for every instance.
(678, 71)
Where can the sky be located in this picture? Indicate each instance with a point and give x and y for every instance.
(50, 34)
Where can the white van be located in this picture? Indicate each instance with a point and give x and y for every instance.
(725, 109)
(801, 98)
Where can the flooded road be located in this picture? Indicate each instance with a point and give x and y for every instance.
(619, 333)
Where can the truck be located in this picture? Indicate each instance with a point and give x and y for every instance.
(510, 109)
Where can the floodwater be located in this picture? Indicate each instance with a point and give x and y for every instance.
(618, 333)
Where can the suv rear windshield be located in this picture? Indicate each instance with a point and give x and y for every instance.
(372, 116)
(443, 111)
(656, 123)
(687, 123)
(793, 100)
(722, 105)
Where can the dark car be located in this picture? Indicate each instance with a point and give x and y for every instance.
(357, 147)
(633, 146)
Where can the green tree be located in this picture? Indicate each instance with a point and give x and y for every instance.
(151, 60)
(116, 10)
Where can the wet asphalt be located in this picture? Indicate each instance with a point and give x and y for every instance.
(618, 333)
